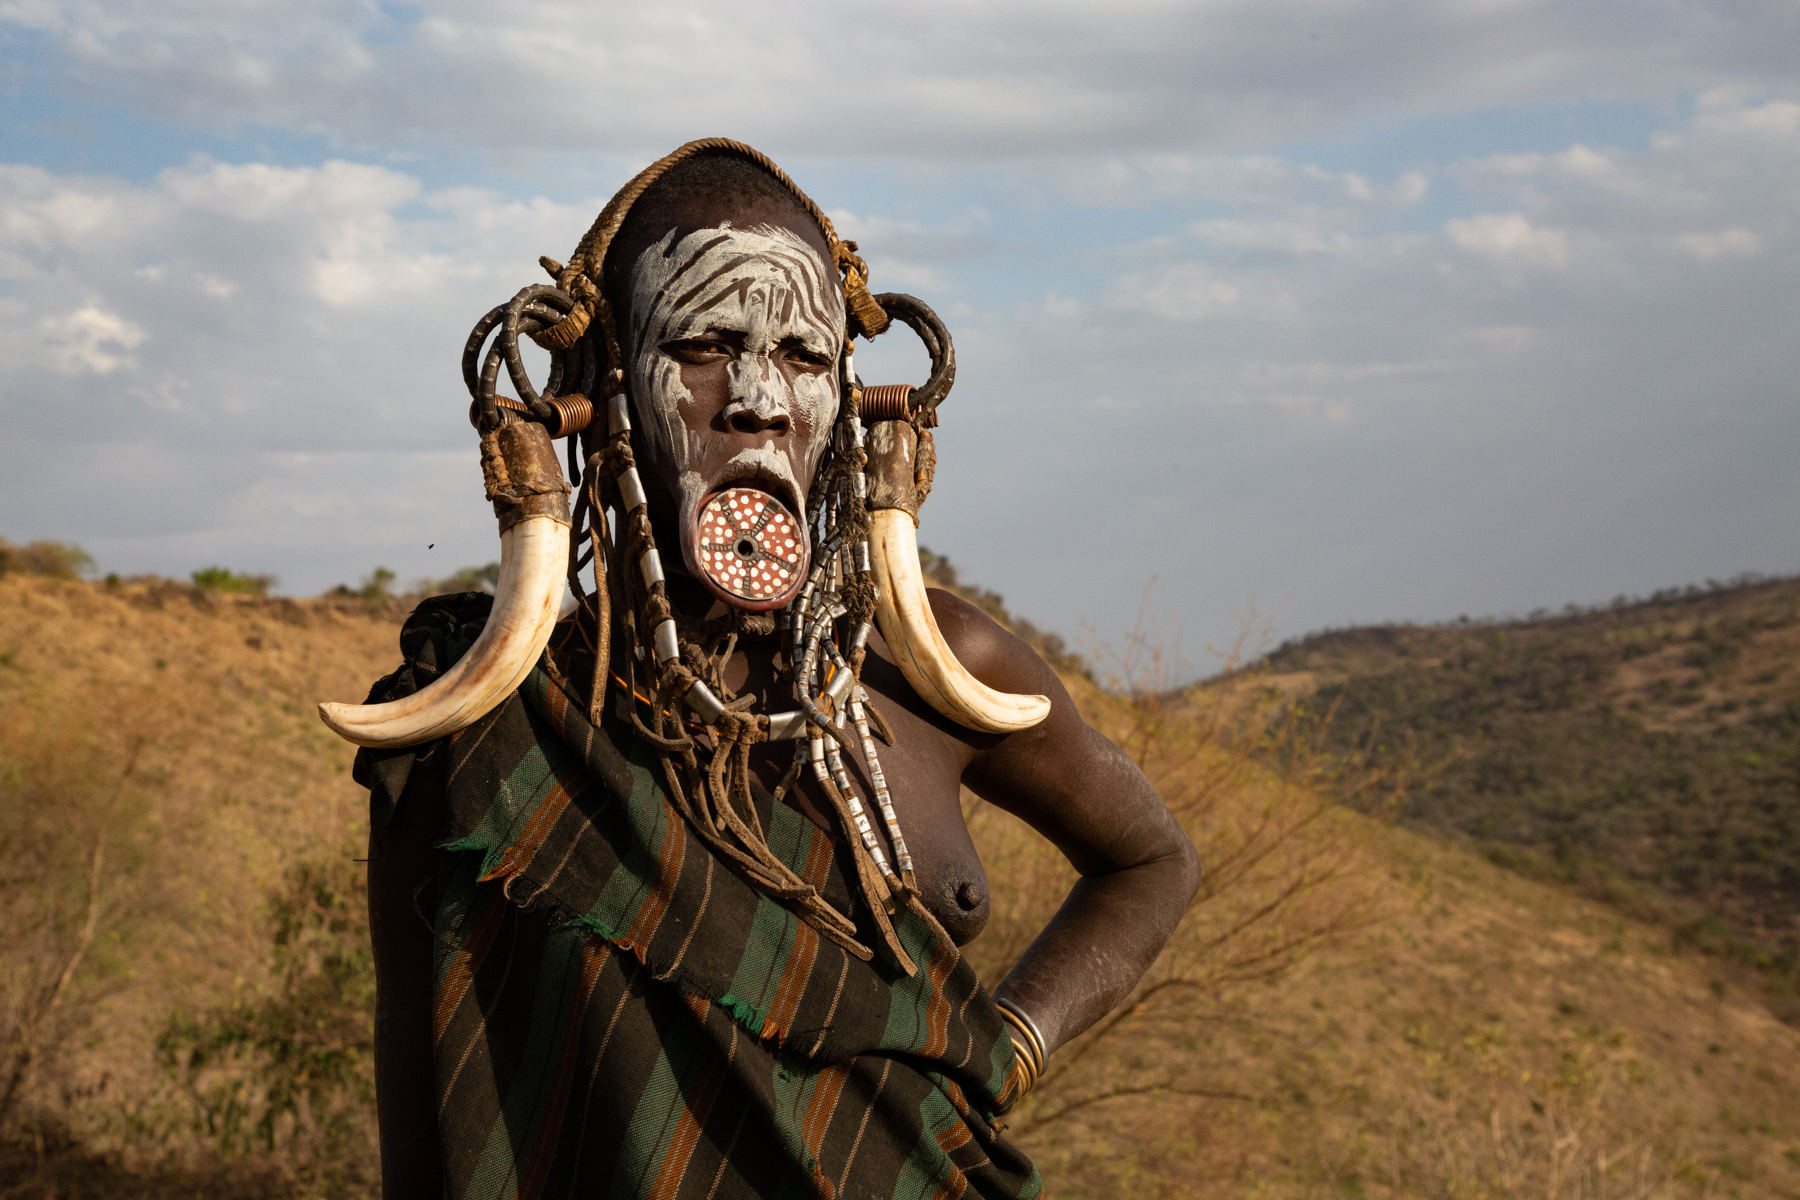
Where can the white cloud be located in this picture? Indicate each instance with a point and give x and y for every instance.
(1595, 395)
(1724, 243)
(279, 348)
(1510, 240)
(1410, 188)
(911, 255)
(1308, 231)
(89, 340)
(1730, 111)
(1178, 292)
(932, 80)
(1596, 379)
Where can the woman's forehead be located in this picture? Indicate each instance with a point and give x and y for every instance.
(711, 209)
(780, 239)
(727, 269)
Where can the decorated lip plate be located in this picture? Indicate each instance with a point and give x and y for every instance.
(750, 548)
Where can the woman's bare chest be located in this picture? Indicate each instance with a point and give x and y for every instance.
(922, 771)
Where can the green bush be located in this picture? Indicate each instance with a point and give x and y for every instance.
(1632, 751)
(58, 560)
(223, 579)
(469, 579)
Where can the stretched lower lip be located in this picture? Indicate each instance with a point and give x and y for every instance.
(755, 483)
(748, 547)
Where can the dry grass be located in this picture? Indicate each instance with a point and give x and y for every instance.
(1349, 1010)
(1354, 1010)
(160, 768)
(1430, 1025)
(1501, 1037)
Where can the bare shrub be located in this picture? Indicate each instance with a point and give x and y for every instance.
(60, 895)
(129, 890)
(80, 825)
(1283, 876)
(283, 1084)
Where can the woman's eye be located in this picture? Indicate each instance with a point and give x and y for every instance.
(698, 350)
(807, 358)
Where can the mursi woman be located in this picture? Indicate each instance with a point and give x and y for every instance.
(667, 892)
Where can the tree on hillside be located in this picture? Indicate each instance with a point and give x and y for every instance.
(469, 579)
(58, 560)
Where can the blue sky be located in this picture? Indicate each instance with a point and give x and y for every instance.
(1344, 312)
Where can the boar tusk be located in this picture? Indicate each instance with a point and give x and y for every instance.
(918, 646)
(531, 499)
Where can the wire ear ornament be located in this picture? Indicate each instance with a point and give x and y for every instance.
(539, 542)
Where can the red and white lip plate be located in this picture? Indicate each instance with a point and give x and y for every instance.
(751, 551)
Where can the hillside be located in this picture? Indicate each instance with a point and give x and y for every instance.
(1349, 1009)
(172, 730)
(1646, 751)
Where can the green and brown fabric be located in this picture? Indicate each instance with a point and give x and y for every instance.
(618, 1014)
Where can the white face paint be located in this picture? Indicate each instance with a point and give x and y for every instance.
(759, 409)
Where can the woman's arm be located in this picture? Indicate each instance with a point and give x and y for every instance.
(1138, 867)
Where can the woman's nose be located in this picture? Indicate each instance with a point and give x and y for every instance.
(756, 404)
(745, 418)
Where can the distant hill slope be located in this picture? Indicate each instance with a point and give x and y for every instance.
(1649, 744)
(1466, 1032)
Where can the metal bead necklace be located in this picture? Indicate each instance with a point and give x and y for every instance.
(825, 673)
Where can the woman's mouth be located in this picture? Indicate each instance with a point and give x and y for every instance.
(750, 548)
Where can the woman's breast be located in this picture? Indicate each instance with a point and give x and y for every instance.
(926, 789)
(924, 780)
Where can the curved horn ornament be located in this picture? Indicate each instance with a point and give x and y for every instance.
(894, 495)
(530, 497)
(918, 645)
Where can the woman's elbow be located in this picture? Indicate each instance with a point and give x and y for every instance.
(1175, 864)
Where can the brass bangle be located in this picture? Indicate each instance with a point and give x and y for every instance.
(1028, 1043)
(1028, 1071)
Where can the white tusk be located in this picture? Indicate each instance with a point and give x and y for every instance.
(534, 561)
(534, 557)
(918, 646)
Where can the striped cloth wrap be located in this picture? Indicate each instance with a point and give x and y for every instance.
(617, 1013)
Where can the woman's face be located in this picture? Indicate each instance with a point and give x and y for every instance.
(732, 363)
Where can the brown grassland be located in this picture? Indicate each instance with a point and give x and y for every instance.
(1350, 1009)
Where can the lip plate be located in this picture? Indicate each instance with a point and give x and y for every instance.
(779, 600)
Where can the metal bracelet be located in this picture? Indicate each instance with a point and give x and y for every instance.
(1020, 1020)
(704, 704)
(650, 565)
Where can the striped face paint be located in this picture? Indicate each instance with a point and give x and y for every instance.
(735, 336)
